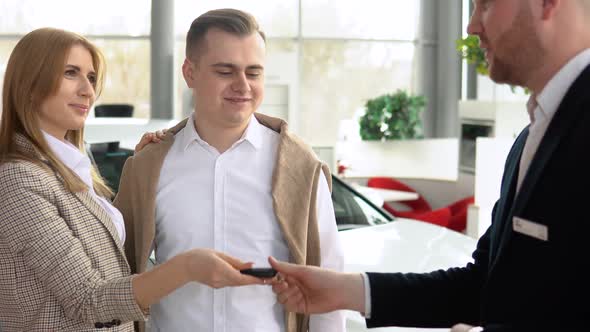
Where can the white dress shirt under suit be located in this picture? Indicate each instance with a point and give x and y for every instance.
(542, 107)
(205, 199)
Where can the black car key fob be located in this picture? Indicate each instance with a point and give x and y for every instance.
(261, 272)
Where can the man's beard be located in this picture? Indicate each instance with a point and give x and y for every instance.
(518, 52)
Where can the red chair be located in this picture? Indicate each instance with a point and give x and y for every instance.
(418, 205)
(441, 217)
(453, 216)
(458, 209)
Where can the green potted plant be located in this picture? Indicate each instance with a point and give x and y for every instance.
(471, 52)
(392, 116)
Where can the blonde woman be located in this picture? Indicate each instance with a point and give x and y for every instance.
(62, 264)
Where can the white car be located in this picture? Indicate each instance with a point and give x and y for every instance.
(392, 245)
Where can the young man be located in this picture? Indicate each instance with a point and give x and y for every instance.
(530, 268)
(231, 180)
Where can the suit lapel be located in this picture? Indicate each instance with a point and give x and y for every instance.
(98, 211)
(564, 118)
(85, 197)
(508, 191)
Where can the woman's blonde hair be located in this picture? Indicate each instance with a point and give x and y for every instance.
(35, 72)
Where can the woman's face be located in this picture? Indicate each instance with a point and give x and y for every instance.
(68, 108)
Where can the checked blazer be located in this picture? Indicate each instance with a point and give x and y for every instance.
(62, 265)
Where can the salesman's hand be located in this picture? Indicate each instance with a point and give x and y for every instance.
(217, 270)
(462, 328)
(149, 138)
(312, 290)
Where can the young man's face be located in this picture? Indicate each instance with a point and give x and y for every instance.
(508, 30)
(227, 78)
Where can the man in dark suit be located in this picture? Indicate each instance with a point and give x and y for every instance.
(531, 267)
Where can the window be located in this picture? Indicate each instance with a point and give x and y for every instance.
(119, 28)
(339, 76)
(329, 56)
(107, 17)
(367, 19)
(326, 56)
(128, 74)
(6, 47)
(277, 18)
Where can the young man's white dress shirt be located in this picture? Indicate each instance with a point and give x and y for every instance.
(223, 201)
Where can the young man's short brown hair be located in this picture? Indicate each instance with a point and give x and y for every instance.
(229, 20)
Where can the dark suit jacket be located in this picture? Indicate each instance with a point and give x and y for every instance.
(517, 282)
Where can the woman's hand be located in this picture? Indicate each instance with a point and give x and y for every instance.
(149, 138)
(205, 266)
(217, 270)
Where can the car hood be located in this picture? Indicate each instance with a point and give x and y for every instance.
(403, 245)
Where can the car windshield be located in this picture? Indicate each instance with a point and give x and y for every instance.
(354, 210)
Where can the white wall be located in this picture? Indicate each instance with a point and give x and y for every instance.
(128, 131)
(434, 159)
(489, 166)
